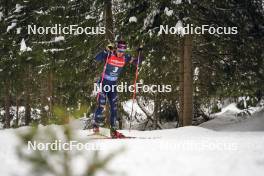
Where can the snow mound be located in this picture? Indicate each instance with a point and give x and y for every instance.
(169, 133)
(229, 122)
(127, 106)
(254, 123)
(220, 152)
(192, 130)
(230, 109)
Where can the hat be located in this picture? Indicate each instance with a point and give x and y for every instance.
(121, 46)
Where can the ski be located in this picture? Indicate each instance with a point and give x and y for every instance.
(98, 136)
(102, 136)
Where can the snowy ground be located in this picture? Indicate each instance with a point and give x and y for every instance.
(226, 145)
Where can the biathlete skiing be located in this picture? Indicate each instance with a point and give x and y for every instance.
(115, 59)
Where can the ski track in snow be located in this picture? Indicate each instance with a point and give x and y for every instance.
(187, 151)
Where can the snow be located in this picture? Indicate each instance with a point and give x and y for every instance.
(19, 30)
(168, 12)
(35, 113)
(23, 46)
(88, 17)
(39, 12)
(234, 110)
(228, 120)
(150, 18)
(196, 73)
(132, 19)
(180, 1)
(179, 28)
(185, 151)
(18, 8)
(46, 108)
(244, 99)
(53, 50)
(177, 1)
(59, 38)
(236, 149)
(13, 24)
(127, 106)
(1, 16)
(231, 109)
(9, 159)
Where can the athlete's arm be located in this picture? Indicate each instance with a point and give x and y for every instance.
(134, 60)
(102, 55)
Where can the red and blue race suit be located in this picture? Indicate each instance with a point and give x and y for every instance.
(114, 67)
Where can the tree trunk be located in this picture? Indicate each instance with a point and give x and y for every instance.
(17, 113)
(27, 96)
(44, 102)
(7, 98)
(109, 36)
(155, 114)
(27, 109)
(109, 27)
(50, 93)
(188, 81)
(7, 104)
(181, 80)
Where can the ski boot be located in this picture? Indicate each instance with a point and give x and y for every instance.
(96, 129)
(115, 134)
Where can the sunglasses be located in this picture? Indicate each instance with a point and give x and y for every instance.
(121, 51)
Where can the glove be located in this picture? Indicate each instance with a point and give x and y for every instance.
(140, 48)
(110, 47)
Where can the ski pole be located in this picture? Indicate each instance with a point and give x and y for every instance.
(134, 93)
(103, 74)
